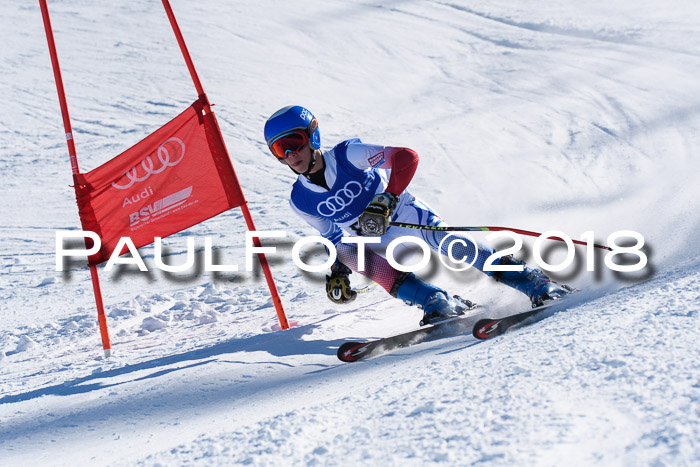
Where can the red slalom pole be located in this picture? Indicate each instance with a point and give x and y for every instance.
(276, 300)
(101, 318)
(183, 47)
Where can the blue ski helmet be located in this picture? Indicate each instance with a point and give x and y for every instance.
(290, 118)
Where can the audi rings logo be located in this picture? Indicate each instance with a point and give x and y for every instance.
(169, 155)
(340, 200)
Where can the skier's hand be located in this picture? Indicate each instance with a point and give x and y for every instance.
(374, 220)
(338, 284)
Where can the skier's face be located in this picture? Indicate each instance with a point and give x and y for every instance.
(299, 160)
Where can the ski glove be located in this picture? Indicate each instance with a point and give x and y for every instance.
(338, 284)
(374, 220)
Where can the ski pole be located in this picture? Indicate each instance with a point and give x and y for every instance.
(485, 229)
(366, 288)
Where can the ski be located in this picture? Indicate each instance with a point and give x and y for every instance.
(484, 328)
(487, 328)
(353, 350)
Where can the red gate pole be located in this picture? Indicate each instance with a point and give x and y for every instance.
(284, 324)
(101, 318)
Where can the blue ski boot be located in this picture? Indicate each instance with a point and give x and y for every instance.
(532, 282)
(434, 302)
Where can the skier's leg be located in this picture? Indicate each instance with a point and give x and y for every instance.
(463, 250)
(405, 286)
(530, 281)
(376, 268)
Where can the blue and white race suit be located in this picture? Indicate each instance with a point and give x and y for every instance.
(354, 173)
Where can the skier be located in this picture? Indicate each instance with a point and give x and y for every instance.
(357, 189)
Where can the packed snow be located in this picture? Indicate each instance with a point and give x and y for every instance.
(559, 115)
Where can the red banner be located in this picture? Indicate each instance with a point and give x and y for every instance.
(175, 178)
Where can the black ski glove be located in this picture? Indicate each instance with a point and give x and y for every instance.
(338, 284)
(374, 220)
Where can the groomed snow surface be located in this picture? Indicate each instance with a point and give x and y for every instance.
(574, 116)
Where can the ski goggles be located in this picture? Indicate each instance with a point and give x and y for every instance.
(290, 142)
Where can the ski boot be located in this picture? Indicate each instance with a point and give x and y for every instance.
(441, 307)
(532, 282)
(435, 303)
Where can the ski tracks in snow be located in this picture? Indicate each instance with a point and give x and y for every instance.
(584, 382)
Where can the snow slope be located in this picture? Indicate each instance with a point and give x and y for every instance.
(575, 116)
